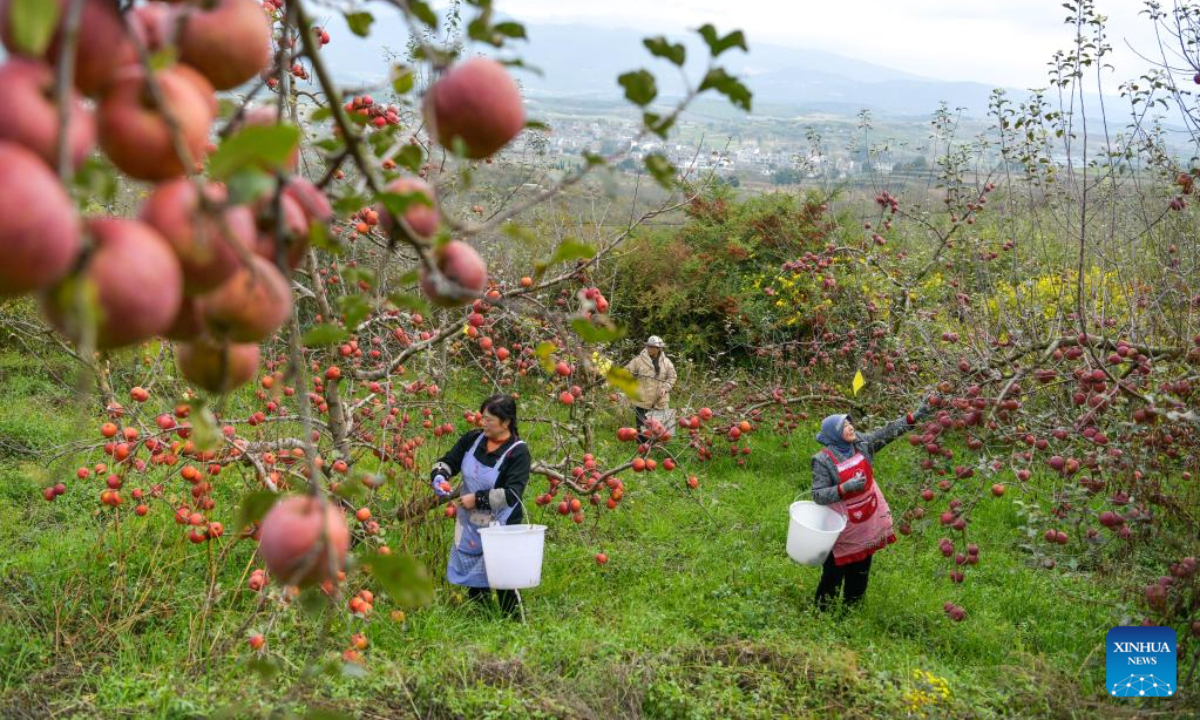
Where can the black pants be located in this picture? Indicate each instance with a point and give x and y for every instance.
(639, 417)
(506, 598)
(852, 575)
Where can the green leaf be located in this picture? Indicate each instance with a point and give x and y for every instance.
(264, 146)
(77, 297)
(571, 250)
(623, 380)
(331, 145)
(248, 184)
(480, 30)
(640, 88)
(352, 490)
(519, 63)
(510, 29)
(410, 302)
(599, 330)
(319, 237)
(354, 274)
(729, 86)
(536, 125)
(164, 58)
(398, 203)
(403, 79)
(360, 23)
(658, 124)
(518, 232)
(313, 601)
(423, 12)
(324, 335)
(254, 507)
(545, 355)
(205, 434)
(350, 203)
(96, 179)
(718, 45)
(593, 159)
(662, 170)
(410, 157)
(659, 46)
(403, 577)
(227, 108)
(381, 141)
(32, 24)
(320, 114)
(322, 714)
(355, 307)
(267, 667)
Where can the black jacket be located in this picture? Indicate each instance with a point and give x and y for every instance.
(510, 485)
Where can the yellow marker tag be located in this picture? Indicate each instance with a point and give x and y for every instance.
(859, 381)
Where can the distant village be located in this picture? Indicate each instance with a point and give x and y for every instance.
(759, 156)
(570, 138)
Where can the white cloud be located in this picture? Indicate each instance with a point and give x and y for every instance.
(1005, 43)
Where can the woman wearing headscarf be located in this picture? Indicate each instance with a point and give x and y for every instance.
(844, 480)
(494, 463)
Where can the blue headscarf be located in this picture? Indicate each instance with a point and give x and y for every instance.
(831, 434)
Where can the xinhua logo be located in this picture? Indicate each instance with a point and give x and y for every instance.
(1141, 661)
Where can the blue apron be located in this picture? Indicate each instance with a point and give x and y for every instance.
(466, 556)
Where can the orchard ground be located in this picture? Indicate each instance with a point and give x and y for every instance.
(698, 612)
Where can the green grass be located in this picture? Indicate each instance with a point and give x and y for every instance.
(698, 614)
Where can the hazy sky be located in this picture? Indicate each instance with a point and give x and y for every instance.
(1000, 42)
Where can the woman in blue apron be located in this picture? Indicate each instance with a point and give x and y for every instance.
(494, 463)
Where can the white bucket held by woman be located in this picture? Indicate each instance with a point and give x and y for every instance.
(812, 531)
(512, 555)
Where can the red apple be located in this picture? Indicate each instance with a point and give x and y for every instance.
(216, 366)
(295, 225)
(423, 219)
(154, 25)
(203, 239)
(461, 265)
(311, 200)
(188, 323)
(29, 113)
(40, 235)
(136, 281)
(228, 41)
(103, 46)
(304, 540)
(134, 133)
(251, 306)
(475, 102)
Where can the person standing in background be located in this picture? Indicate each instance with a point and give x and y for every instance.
(655, 374)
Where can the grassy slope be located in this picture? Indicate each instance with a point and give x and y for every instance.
(698, 614)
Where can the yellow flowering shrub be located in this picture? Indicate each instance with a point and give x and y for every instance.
(928, 692)
(1054, 295)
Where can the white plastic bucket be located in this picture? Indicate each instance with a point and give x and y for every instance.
(812, 531)
(512, 555)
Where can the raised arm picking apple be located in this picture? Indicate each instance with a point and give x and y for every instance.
(843, 478)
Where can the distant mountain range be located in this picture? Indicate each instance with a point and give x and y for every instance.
(581, 61)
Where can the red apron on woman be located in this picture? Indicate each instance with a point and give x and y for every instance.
(868, 517)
